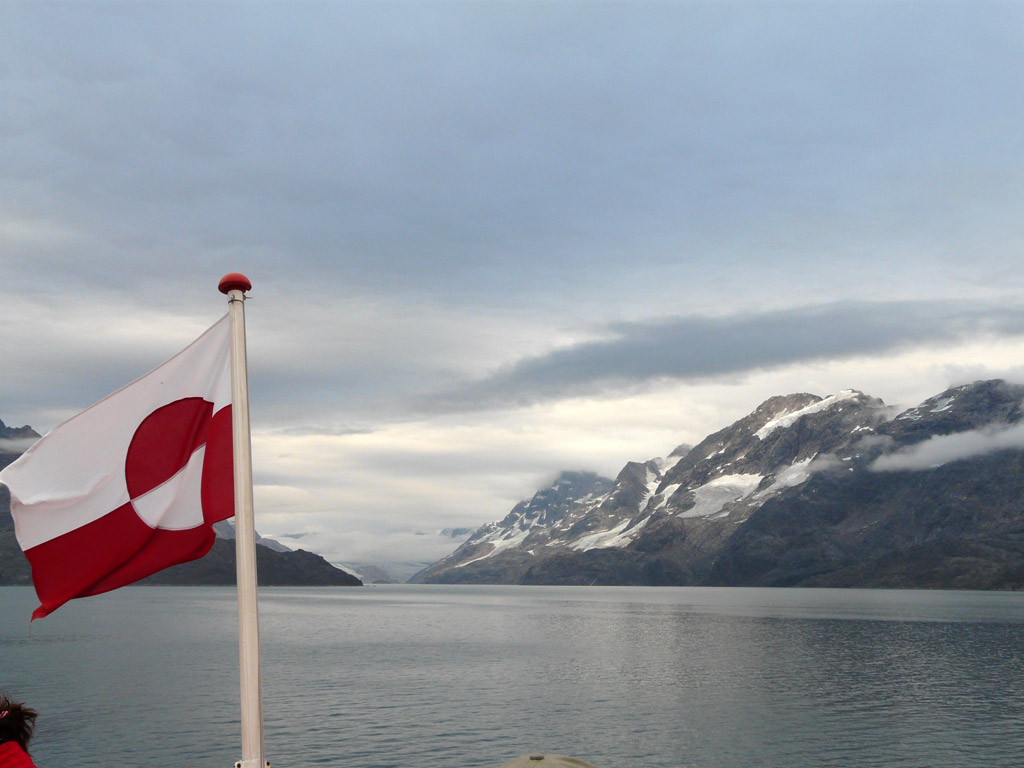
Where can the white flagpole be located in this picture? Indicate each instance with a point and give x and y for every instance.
(235, 285)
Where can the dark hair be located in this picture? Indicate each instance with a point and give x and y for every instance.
(16, 722)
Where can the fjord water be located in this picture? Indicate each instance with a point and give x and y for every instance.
(474, 676)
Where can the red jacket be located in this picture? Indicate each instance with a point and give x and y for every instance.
(13, 756)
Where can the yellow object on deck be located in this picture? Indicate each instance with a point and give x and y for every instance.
(547, 761)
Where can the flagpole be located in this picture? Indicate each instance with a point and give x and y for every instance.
(235, 285)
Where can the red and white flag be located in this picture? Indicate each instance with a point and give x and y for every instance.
(133, 484)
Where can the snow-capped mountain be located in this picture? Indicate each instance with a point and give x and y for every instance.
(536, 518)
(696, 516)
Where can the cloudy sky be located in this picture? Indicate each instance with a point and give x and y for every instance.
(493, 240)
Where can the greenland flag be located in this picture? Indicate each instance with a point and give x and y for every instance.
(133, 484)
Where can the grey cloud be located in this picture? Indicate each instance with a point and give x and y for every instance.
(876, 443)
(327, 431)
(944, 449)
(704, 347)
(501, 147)
(16, 444)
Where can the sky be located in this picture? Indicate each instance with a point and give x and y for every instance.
(490, 241)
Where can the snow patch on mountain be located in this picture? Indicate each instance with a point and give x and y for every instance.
(936, 404)
(504, 540)
(511, 539)
(711, 498)
(662, 465)
(798, 473)
(654, 478)
(665, 495)
(789, 419)
(618, 536)
(789, 477)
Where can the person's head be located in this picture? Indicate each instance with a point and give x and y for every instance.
(16, 722)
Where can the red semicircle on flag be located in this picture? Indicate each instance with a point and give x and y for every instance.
(164, 466)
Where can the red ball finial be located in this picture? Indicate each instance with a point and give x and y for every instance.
(234, 281)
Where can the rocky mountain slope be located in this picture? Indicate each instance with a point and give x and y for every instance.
(811, 491)
(15, 433)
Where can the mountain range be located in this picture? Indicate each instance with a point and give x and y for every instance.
(840, 491)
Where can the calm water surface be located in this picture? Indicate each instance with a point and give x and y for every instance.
(474, 676)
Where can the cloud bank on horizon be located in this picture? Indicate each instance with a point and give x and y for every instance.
(492, 241)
